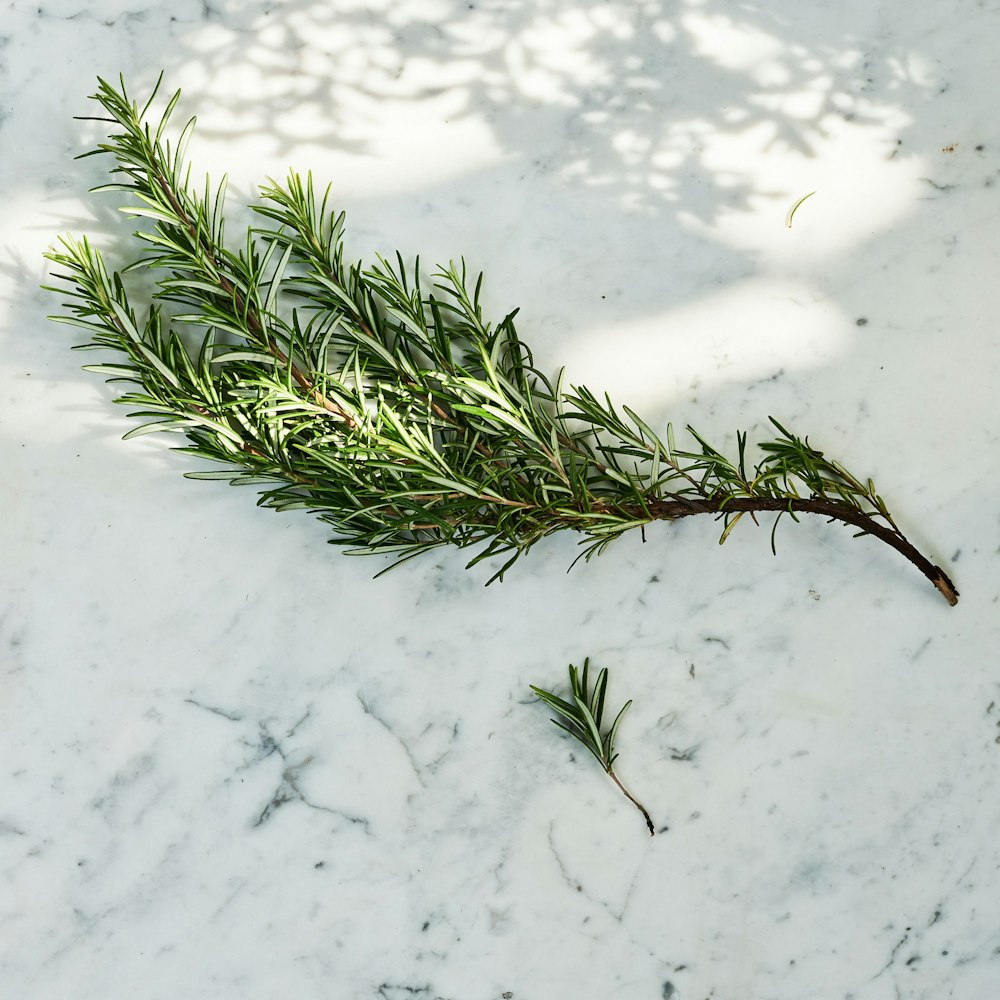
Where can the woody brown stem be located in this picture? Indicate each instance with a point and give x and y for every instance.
(832, 509)
(633, 800)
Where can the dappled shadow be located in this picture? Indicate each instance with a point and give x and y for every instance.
(584, 137)
(613, 167)
(641, 98)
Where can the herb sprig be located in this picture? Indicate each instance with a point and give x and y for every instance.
(398, 414)
(583, 720)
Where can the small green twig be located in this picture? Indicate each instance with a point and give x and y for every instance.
(583, 722)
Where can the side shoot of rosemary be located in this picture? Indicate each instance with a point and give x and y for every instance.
(582, 718)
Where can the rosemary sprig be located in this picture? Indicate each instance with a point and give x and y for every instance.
(583, 717)
(399, 415)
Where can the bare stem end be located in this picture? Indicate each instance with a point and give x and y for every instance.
(645, 815)
(942, 581)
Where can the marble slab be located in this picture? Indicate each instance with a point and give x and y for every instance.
(235, 766)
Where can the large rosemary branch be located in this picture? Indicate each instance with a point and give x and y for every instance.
(401, 417)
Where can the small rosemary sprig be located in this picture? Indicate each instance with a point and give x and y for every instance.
(583, 718)
(399, 416)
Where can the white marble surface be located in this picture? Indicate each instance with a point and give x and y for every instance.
(234, 766)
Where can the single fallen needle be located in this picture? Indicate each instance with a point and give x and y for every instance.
(795, 208)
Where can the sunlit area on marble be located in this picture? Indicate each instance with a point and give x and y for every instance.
(237, 766)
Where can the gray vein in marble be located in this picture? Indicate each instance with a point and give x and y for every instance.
(433, 765)
(366, 706)
(560, 864)
(892, 956)
(617, 915)
(230, 715)
(132, 781)
(289, 789)
(400, 991)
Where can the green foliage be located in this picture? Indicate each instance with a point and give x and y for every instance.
(583, 718)
(395, 412)
(584, 715)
